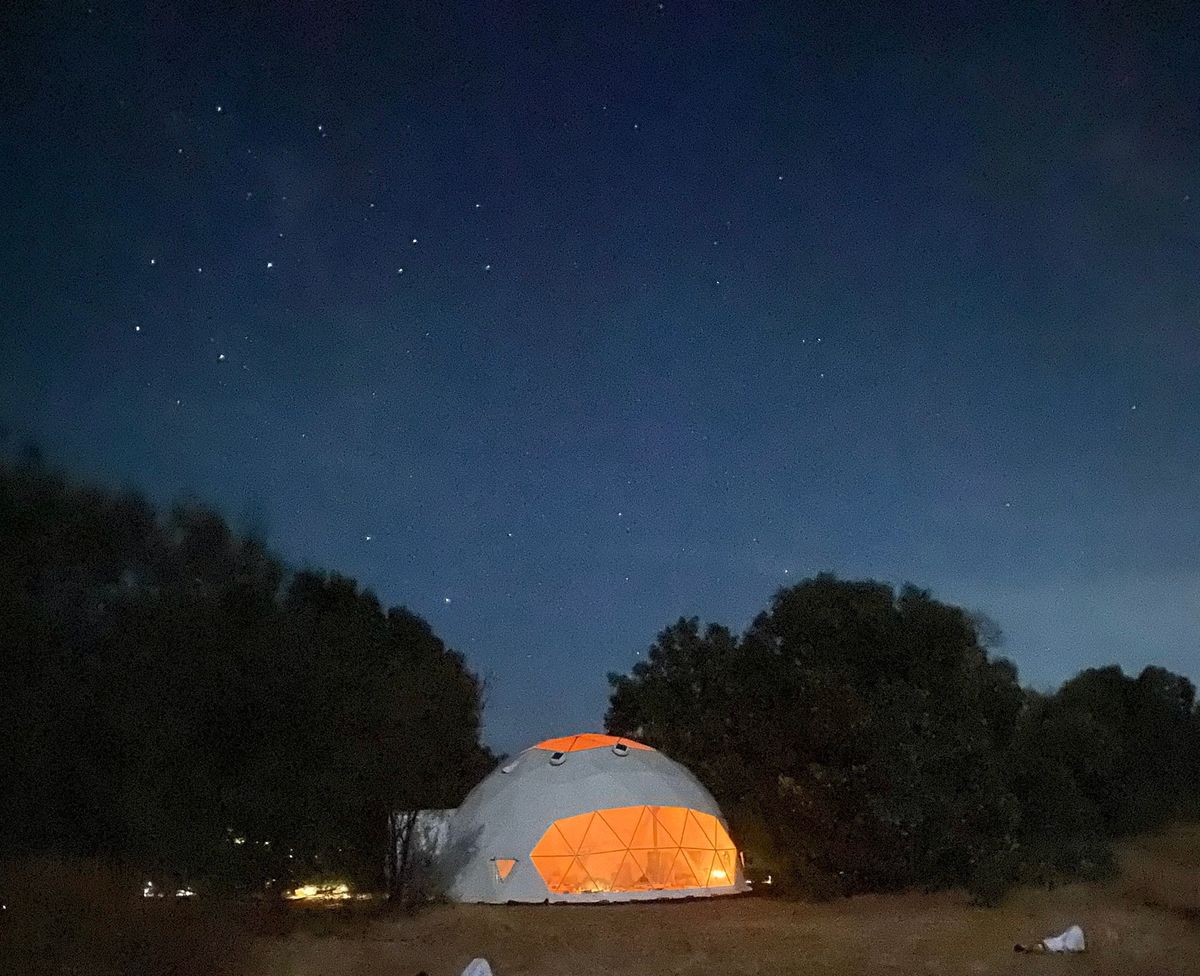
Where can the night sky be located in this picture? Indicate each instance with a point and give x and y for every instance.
(555, 326)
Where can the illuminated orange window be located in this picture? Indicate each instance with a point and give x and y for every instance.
(641, 848)
(504, 866)
(588, 740)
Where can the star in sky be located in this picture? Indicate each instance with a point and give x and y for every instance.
(612, 340)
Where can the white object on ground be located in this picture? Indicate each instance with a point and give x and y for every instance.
(1071, 940)
(477, 967)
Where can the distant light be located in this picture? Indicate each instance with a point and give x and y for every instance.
(445, 599)
(336, 891)
(185, 893)
(152, 261)
(221, 358)
(137, 328)
(270, 264)
(414, 240)
(367, 538)
(239, 841)
(219, 108)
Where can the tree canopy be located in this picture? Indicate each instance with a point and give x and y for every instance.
(862, 738)
(184, 702)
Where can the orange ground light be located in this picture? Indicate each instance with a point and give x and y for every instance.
(642, 848)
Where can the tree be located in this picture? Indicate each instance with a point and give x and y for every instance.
(861, 738)
(184, 704)
(858, 732)
(1129, 745)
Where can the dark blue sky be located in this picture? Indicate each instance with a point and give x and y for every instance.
(693, 304)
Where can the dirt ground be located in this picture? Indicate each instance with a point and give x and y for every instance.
(1144, 923)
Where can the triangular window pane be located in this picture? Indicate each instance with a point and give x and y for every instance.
(721, 839)
(552, 869)
(672, 820)
(682, 875)
(573, 829)
(603, 868)
(600, 837)
(553, 842)
(576, 879)
(723, 870)
(623, 821)
(630, 876)
(701, 863)
(646, 834)
(694, 833)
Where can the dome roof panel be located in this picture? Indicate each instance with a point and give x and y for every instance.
(588, 740)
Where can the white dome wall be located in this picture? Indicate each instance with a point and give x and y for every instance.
(507, 814)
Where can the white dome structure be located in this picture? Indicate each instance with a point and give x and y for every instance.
(589, 818)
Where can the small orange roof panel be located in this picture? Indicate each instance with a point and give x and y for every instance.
(587, 740)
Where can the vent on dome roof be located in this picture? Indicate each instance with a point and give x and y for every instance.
(620, 749)
(510, 767)
(558, 758)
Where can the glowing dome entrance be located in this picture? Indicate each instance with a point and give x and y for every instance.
(640, 848)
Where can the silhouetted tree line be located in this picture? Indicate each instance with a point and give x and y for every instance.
(174, 698)
(861, 739)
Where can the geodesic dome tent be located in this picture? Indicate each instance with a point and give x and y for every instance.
(589, 818)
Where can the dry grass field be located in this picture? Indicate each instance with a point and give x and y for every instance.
(1164, 870)
(896, 934)
(1145, 922)
(1142, 923)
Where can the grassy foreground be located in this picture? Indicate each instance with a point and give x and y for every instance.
(1144, 922)
(1147, 921)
